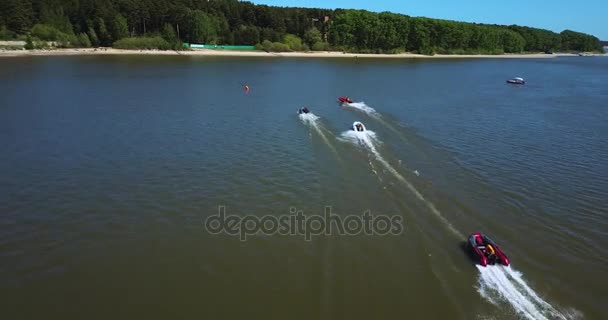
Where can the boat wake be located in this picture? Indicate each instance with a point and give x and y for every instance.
(368, 139)
(365, 138)
(308, 118)
(499, 283)
(313, 121)
(362, 107)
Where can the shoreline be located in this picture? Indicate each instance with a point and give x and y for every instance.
(226, 53)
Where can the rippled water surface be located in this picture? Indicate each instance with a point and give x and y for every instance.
(110, 165)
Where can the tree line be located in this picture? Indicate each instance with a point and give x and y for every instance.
(170, 22)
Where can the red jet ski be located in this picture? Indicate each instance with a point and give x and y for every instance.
(345, 100)
(486, 250)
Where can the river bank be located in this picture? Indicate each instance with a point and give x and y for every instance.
(206, 52)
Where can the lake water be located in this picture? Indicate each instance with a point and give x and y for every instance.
(111, 165)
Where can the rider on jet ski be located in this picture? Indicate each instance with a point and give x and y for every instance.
(488, 250)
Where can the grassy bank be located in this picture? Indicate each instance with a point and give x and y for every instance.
(147, 43)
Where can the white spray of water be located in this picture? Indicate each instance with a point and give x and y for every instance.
(312, 120)
(308, 118)
(507, 284)
(363, 107)
(367, 139)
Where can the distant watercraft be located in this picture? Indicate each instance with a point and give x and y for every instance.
(358, 126)
(345, 100)
(303, 110)
(516, 80)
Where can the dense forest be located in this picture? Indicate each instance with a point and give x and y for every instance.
(166, 24)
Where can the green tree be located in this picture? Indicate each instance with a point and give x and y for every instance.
(313, 36)
(119, 27)
(47, 33)
(248, 35)
(83, 40)
(512, 41)
(169, 34)
(420, 39)
(389, 34)
(201, 27)
(29, 43)
(18, 14)
(294, 42)
(6, 34)
(56, 18)
(105, 38)
(320, 46)
(92, 35)
(576, 41)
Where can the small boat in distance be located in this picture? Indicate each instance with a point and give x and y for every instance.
(486, 250)
(516, 80)
(358, 126)
(345, 100)
(303, 110)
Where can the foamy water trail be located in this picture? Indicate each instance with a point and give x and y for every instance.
(308, 118)
(362, 107)
(506, 284)
(367, 139)
(312, 120)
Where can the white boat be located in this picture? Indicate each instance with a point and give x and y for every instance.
(358, 126)
(517, 80)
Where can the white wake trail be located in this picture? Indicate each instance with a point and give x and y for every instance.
(313, 121)
(308, 118)
(367, 139)
(362, 107)
(509, 286)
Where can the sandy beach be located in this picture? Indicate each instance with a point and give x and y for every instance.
(226, 53)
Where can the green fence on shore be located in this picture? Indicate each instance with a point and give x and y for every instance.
(217, 47)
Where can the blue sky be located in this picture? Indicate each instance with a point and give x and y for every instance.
(589, 16)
